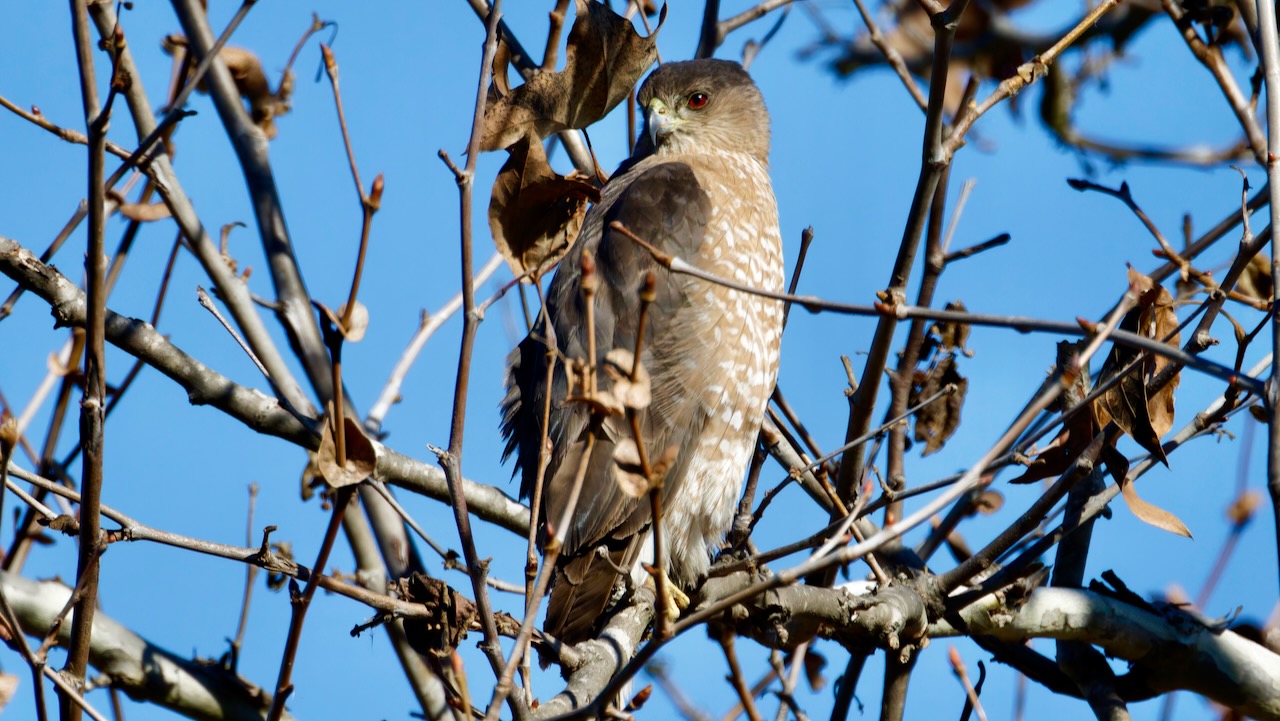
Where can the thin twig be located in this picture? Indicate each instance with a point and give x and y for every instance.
(71, 136)
(1025, 75)
(451, 460)
(971, 693)
(207, 303)
(893, 57)
(1271, 63)
(745, 697)
(1211, 57)
(302, 601)
(92, 407)
(251, 573)
(932, 166)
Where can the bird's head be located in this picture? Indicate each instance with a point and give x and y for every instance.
(702, 106)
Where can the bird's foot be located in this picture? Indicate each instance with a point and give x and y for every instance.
(674, 600)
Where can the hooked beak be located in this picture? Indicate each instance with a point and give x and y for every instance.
(659, 120)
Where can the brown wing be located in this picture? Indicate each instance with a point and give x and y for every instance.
(665, 205)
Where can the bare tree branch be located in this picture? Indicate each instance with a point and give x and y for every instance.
(194, 689)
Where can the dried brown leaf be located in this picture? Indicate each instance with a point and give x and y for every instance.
(952, 335)
(1144, 418)
(1076, 434)
(8, 687)
(663, 464)
(311, 478)
(988, 502)
(633, 394)
(1243, 507)
(9, 435)
(264, 104)
(604, 58)
(535, 214)
(814, 663)
(251, 82)
(938, 421)
(142, 212)
(638, 701)
(1255, 281)
(361, 457)
(452, 615)
(1153, 515)
(355, 328)
(627, 471)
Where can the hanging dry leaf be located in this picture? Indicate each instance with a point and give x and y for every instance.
(9, 435)
(637, 702)
(938, 421)
(1153, 515)
(1243, 507)
(8, 687)
(604, 58)
(311, 478)
(988, 502)
(140, 212)
(633, 394)
(627, 470)
(361, 457)
(952, 335)
(535, 214)
(1144, 418)
(909, 32)
(814, 663)
(452, 614)
(1076, 434)
(354, 329)
(1255, 281)
(251, 82)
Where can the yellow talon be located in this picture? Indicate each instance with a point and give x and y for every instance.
(676, 600)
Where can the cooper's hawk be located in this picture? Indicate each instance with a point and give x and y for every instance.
(696, 187)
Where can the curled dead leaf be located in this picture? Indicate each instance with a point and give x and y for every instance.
(8, 687)
(353, 330)
(361, 456)
(311, 478)
(451, 617)
(534, 213)
(627, 470)
(604, 58)
(9, 435)
(1255, 281)
(952, 335)
(988, 502)
(938, 421)
(638, 701)
(814, 663)
(251, 82)
(1077, 432)
(140, 212)
(1143, 418)
(633, 394)
(1151, 514)
(1243, 507)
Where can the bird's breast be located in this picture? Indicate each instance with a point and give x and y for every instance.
(741, 333)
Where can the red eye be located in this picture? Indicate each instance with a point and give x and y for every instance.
(698, 101)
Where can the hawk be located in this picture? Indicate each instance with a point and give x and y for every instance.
(697, 187)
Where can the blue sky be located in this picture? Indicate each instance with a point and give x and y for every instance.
(845, 159)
